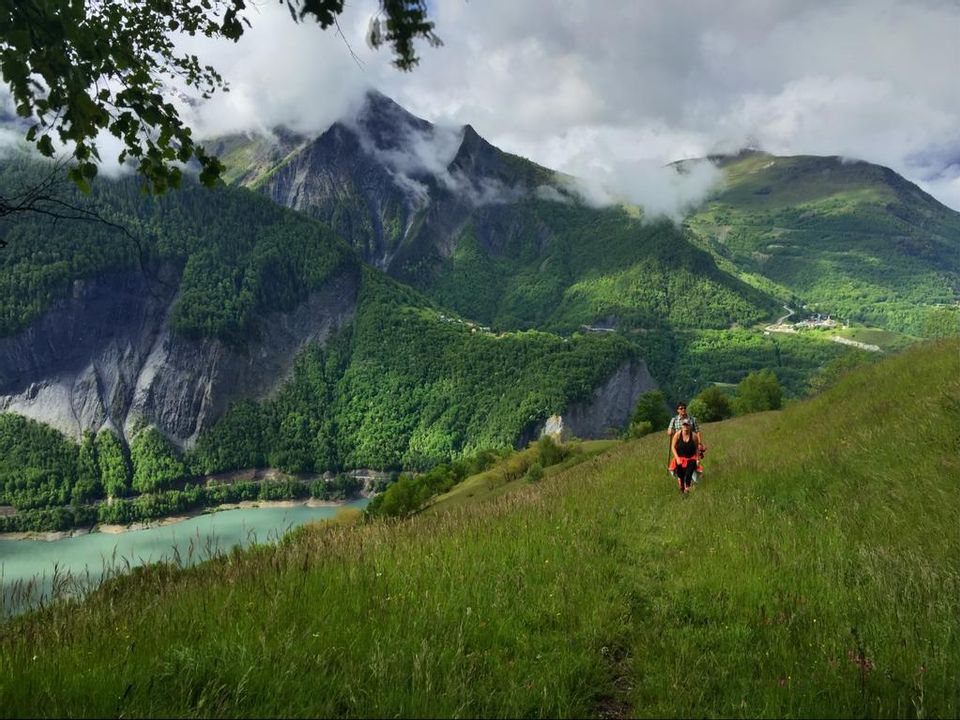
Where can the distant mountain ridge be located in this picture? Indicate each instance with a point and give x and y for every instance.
(490, 234)
(848, 237)
(508, 242)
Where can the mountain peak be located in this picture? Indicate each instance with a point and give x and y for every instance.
(475, 154)
(387, 123)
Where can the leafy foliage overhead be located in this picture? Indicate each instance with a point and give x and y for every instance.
(78, 68)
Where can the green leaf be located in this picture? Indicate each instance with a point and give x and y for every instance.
(45, 146)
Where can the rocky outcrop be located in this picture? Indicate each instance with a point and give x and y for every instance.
(401, 190)
(106, 356)
(608, 409)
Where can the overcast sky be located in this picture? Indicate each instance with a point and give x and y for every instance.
(613, 89)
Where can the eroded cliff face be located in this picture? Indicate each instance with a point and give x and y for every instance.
(608, 409)
(106, 356)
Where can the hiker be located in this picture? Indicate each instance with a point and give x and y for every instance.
(686, 453)
(677, 419)
(674, 426)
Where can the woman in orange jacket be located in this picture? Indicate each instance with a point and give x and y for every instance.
(685, 452)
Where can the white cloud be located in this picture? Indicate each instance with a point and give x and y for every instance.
(425, 155)
(868, 78)
(630, 165)
(623, 86)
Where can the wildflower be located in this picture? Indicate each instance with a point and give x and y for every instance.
(861, 661)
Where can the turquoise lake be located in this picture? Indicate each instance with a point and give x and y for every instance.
(85, 558)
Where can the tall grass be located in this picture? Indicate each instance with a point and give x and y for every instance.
(815, 571)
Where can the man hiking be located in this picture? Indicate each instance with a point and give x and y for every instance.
(678, 419)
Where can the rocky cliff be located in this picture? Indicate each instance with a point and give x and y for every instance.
(605, 412)
(399, 189)
(106, 356)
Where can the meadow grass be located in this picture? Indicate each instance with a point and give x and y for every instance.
(507, 475)
(884, 339)
(814, 571)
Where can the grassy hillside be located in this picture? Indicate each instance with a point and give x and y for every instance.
(815, 571)
(850, 238)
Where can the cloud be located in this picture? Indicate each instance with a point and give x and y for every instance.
(869, 79)
(669, 191)
(418, 156)
(421, 156)
(623, 86)
(280, 73)
(615, 165)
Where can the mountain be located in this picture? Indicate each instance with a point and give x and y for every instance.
(390, 183)
(491, 235)
(511, 244)
(208, 331)
(845, 237)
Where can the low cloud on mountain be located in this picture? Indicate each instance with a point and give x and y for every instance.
(619, 89)
(629, 83)
(420, 156)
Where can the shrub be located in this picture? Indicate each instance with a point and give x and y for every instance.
(757, 392)
(548, 452)
(639, 429)
(534, 473)
(711, 405)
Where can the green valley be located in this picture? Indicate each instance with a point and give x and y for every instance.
(400, 384)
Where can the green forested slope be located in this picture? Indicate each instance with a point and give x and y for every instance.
(850, 238)
(814, 571)
(241, 254)
(409, 386)
(406, 385)
(562, 265)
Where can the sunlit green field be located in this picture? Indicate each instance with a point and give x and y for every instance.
(814, 571)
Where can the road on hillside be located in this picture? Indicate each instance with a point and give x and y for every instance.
(778, 325)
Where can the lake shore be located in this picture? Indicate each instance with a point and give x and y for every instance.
(53, 536)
